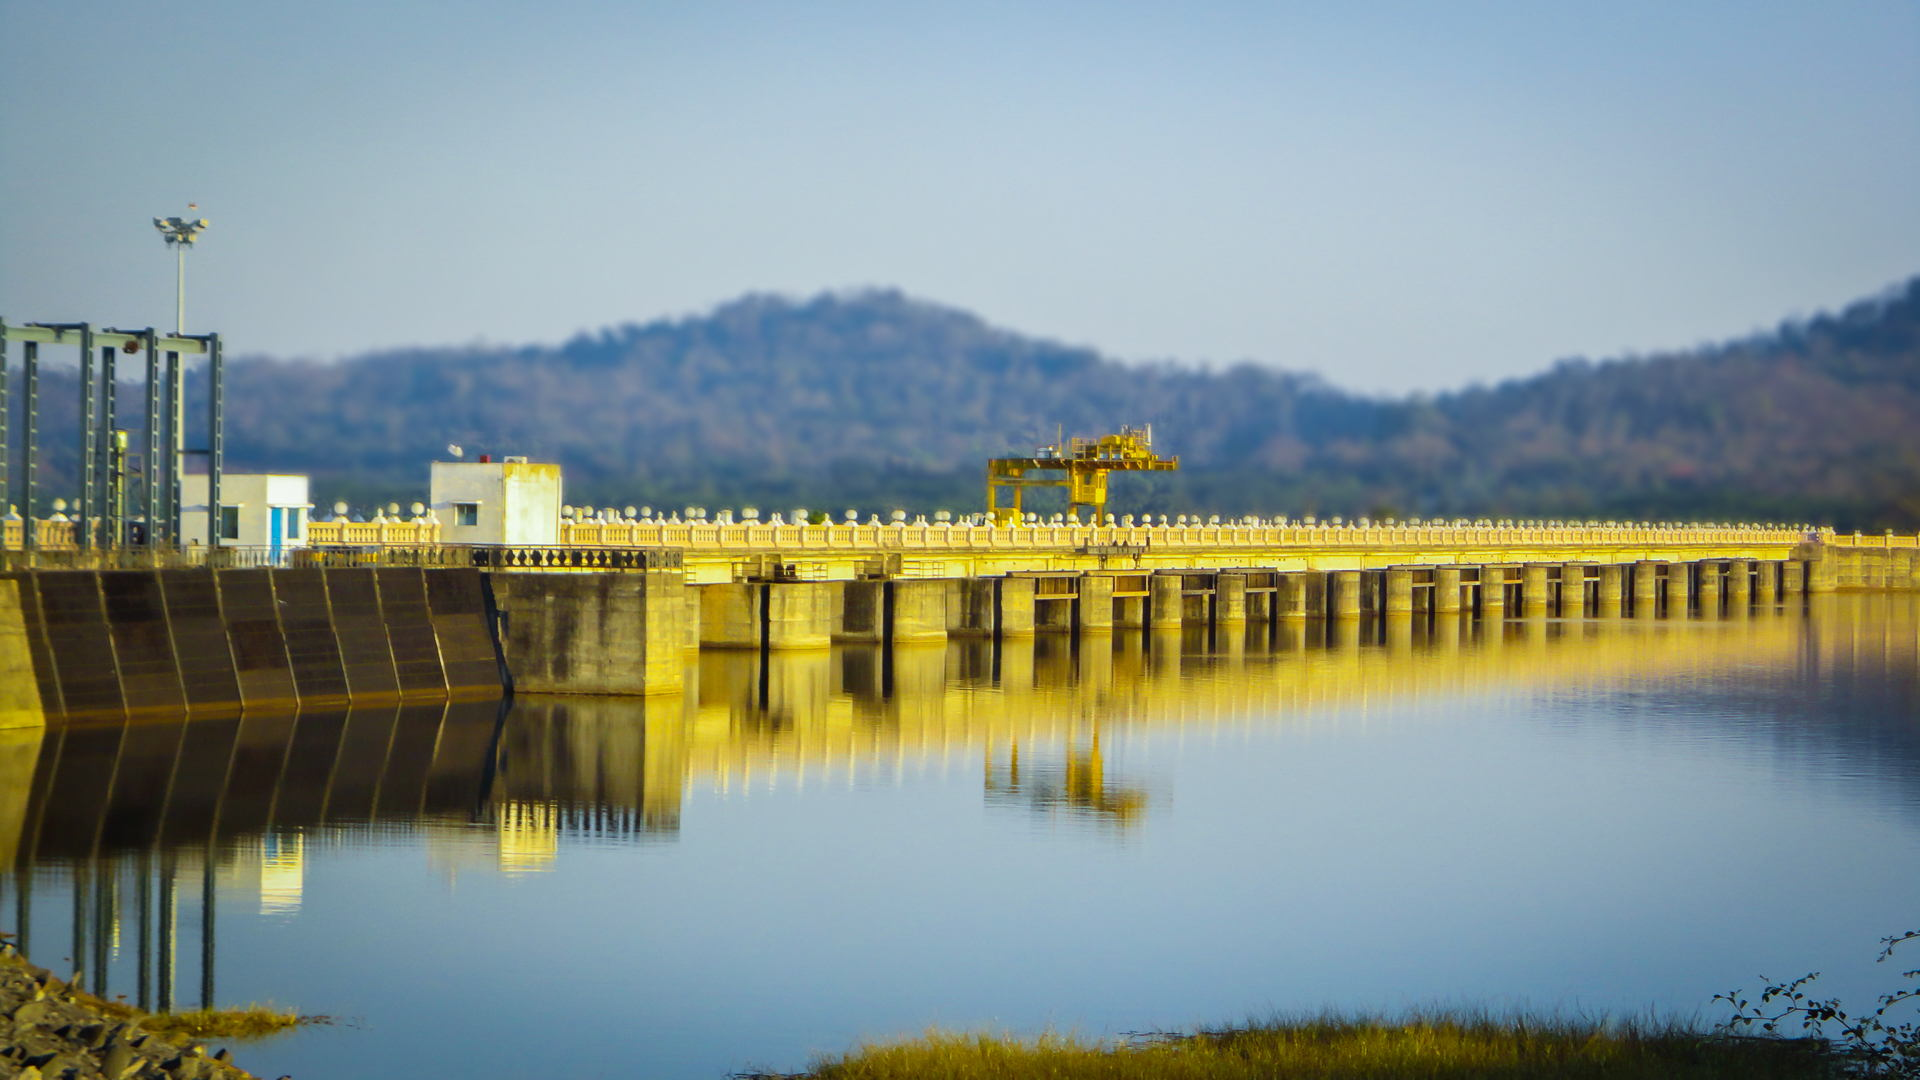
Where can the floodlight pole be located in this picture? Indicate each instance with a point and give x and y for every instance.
(177, 423)
(180, 233)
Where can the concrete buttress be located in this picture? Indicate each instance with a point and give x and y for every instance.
(593, 633)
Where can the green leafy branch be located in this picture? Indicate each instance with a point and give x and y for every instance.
(1878, 1044)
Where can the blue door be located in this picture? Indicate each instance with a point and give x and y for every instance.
(277, 518)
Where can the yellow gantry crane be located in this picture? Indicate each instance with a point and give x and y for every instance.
(1085, 464)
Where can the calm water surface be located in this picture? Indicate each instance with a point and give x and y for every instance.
(1601, 816)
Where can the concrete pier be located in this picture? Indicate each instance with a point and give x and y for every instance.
(1823, 574)
(917, 611)
(1739, 586)
(598, 633)
(771, 615)
(1166, 602)
(1229, 599)
(1679, 590)
(1014, 607)
(799, 614)
(1766, 582)
(972, 604)
(689, 620)
(1095, 604)
(1493, 592)
(1446, 590)
(863, 614)
(1533, 590)
(1345, 602)
(1293, 598)
(1646, 589)
(1609, 601)
(1573, 590)
(730, 616)
(1707, 589)
(1399, 592)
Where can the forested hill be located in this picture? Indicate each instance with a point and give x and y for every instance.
(876, 400)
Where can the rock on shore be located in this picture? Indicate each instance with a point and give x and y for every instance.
(51, 1031)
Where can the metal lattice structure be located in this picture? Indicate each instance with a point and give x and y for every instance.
(1081, 466)
(117, 506)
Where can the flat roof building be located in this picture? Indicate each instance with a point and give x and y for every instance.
(511, 501)
(262, 510)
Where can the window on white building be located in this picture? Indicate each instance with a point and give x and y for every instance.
(466, 513)
(296, 522)
(229, 523)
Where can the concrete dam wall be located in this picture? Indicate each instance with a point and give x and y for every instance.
(80, 643)
(1857, 567)
(85, 644)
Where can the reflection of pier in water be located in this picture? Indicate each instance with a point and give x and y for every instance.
(750, 721)
(793, 715)
(118, 820)
(131, 825)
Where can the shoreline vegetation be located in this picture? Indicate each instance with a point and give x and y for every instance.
(1434, 1046)
(251, 1022)
(1758, 1041)
(50, 1027)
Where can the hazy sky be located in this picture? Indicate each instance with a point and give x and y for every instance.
(1395, 195)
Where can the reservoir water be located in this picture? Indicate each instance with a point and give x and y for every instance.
(804, 851)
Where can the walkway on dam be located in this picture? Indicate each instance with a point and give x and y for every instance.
(712, 552)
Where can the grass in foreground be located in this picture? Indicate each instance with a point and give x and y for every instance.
(1432, 1048)
(252, 1022)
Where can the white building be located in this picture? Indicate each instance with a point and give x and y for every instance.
(511, 501)
(264, 510)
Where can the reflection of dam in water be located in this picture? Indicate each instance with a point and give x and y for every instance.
(122, 822)
(785, 718)
(116, 832)
(620, 767)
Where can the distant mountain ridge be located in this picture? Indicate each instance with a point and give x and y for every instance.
(876, 400)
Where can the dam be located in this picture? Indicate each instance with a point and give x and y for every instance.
(616, 609)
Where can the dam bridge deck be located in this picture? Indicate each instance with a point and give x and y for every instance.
(712, 553)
